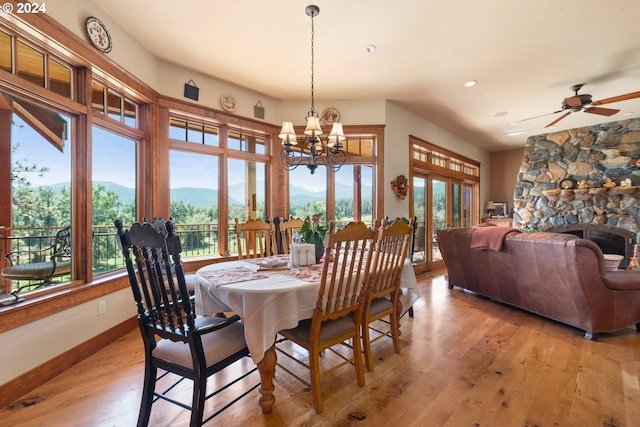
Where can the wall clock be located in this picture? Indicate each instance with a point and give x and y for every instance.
(98, 34)
(228, 103)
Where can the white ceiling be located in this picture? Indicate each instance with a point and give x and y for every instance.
(525, 54)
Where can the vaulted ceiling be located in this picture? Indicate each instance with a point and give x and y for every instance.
(524, 55)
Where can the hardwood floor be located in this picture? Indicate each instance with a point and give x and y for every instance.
(466, 361)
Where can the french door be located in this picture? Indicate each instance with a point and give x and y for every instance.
(438, 202)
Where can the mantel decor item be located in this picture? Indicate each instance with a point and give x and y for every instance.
(313, 151)
(400, 186)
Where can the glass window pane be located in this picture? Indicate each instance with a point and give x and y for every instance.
(236, 141)
(178, 129)
(211, 136)
(194, 202)
(5, 52)
(114, 106)
(366, 147)
(259, 145)
(195, 132)
(130, 114)
(344, 189)
(308, 193)
(467, 205)
(247, 143)
(366, 194)
(456, 205)
(438, 213)
(40, 183)
(59, 78)
(419, 203)
(97, 97)
(247, 194)
(30, 64)
(113, 184)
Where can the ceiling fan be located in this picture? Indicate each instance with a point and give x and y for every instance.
(583, 102)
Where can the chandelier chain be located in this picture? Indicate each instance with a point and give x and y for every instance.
(313, 107)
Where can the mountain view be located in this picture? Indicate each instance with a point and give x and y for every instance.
(201, 197)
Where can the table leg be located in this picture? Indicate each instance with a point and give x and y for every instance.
(267, 367)
(399, 308)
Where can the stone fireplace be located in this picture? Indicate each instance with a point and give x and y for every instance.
(562, 181)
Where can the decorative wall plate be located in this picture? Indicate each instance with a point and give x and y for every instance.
(228, 103)
(98, 34)
(330, 116)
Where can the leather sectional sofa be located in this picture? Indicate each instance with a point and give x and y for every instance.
(558, 276)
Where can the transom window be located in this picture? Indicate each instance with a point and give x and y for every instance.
(107, 101)
(40, 68)
(193, 131)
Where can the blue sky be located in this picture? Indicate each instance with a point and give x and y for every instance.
(114, 161)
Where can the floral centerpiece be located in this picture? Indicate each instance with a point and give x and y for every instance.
(314, 232)
(400, 186)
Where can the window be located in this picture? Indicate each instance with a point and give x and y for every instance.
(40, 153)
(308, 193)
(109, 102)
(194, 202)
(354, 194)
(246, 194)
(445, 192)
(191, 131)
(35, 65)
(6, 59)
(248, 143)
(350, 198)
(113, 193)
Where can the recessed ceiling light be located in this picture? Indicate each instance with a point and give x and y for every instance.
(628, 113)
(471, 83)
(370, 48)
(514, 123)
(500, 114)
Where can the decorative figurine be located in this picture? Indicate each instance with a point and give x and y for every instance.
(608, 183)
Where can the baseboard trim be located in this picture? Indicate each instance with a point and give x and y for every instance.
(19, 386)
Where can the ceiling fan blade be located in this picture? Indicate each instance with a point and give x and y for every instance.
(618, 98)
(601, 111)
(574, 101)
(541, 115)
(558, 119)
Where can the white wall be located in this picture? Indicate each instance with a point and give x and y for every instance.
(33, 344)
(126, 51)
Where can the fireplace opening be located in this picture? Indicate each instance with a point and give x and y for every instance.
(611, 240)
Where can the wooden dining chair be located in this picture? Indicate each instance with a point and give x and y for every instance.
(337, 316)
(288, 229)
(175, 340)
(383, 288)
(254, 239)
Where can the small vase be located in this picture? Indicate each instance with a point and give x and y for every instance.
(319, 251)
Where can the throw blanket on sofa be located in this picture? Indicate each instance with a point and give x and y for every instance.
(490, 238)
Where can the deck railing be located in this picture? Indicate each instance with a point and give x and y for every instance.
(196, 239)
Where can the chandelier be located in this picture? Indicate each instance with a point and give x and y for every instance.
(313, 151)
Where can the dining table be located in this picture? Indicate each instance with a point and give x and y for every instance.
(269, 295)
